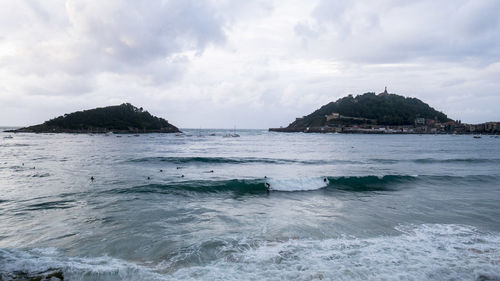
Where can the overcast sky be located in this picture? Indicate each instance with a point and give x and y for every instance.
(249, 64)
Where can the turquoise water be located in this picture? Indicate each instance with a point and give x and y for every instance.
(167, 207)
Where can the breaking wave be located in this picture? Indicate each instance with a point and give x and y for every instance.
(423, 252)
(257, 186)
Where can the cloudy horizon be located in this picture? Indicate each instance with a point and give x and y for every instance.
(245, 64)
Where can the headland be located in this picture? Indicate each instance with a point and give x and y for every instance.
(124, 118)
(383, 113)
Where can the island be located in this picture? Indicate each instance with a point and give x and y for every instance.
(382, 113)
(124, 118)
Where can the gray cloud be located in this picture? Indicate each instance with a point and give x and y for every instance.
(221, 63)
(86, 38)
(368, 31)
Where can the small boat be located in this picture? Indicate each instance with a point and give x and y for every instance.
(8, 137)
(233, 135)
(477, 137)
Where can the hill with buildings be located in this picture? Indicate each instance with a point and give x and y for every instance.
(374, 113)
(124, 118)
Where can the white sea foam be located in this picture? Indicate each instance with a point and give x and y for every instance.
(297, 184)
(425, 252)
(42, 261)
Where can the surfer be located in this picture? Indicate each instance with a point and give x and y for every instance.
(149, 178)
(161, 170)
(268, 186)
(92, 178)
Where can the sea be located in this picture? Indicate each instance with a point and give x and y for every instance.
(262, 206)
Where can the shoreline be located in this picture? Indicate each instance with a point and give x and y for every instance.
(351, 130)
(92, 131)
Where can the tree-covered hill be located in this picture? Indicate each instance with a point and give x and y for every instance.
(382, 109)
(124, 118)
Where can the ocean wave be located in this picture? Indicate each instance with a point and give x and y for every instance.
(48, 205)
(235, 160)
(368, 183)
(236, 186)
(457, 160)
(38, 264)
(437, 160)
(40, 175)
(256, 186)
(296, 184)
(423, 252)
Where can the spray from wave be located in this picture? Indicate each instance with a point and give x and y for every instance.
(297, 184)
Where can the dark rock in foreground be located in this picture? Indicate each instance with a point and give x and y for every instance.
(124, 118)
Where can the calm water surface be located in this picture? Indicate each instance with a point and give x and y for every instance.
(191, 207)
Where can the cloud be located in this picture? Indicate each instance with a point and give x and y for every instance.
(86, 38)
(395, 31)
(222, 63)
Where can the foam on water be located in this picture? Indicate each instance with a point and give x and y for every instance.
(424, 252)
(297, 184)
(42, 262)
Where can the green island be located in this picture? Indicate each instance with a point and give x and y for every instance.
(382, 113)
(124, 118)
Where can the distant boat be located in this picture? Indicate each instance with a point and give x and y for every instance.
(233, 135)
(477, 137)
(8, 137)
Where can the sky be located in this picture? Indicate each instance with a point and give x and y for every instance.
(245, 64)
